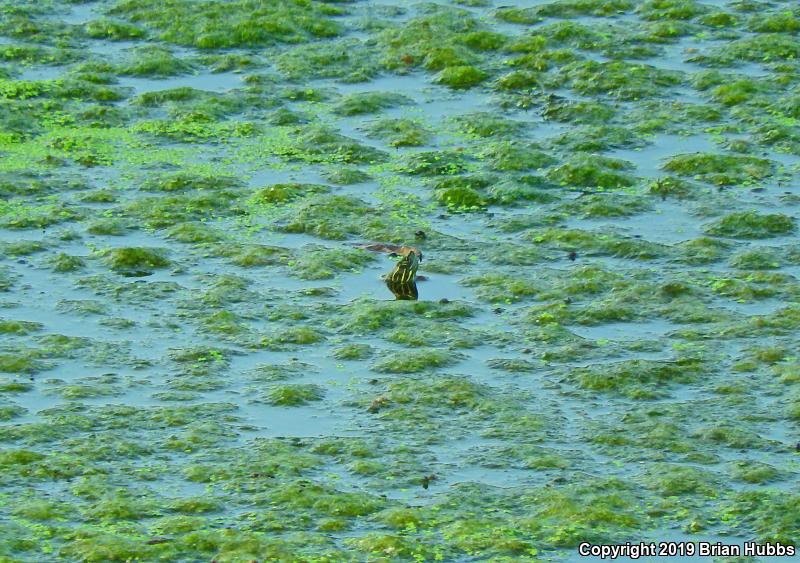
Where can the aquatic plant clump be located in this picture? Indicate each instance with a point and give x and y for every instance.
(720, 169)
(750, 224)
(212, 24)
(134, 259)
(206, 349)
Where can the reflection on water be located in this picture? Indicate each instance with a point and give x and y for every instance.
(403, 291)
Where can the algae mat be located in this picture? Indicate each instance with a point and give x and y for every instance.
(199, 361)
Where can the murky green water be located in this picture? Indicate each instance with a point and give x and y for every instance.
(199, 361)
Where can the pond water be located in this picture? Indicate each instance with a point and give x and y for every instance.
(199, 360)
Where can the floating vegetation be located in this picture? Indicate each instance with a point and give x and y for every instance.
(199, 357)
(369, 102)
(593, 171)
(132, 260)
(750, 224)
(720, 169)
(214, 25)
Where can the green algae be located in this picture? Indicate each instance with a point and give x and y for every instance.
(435, 40)
(224, 323)
(460, 198)
(10, 412)
(522, 16)
(189, 182)
(322, 145)
(131, 259)
(606, 206)
(108, 227)
(156, 62)
(510, 156)
(784, 22)
(369, 102)
(583, 112)
(289, 501)
(670, 186)
(194, 127)
(365, 316)
(756, 259)
(599, 138)
(674, 481)
(771, 513)
(413, 361)
(576, 8)
(294, 395)
(346, 176)
(703, 251)
(461, 77)
(328, 216)
(113, 30)
(348, 60)
(598, 511)
(163, 212)
(498, 288)
(8, 326)
(619, 79)
(751, 224)
(720, 169)
(195, 233)
(353, 352)
(293, 336)
(400, 132)
(324, 263)
(636, 378)
(610, 244)
(213, 25)
(671, 9)
(18, 364)
(282, 193)
(486, 124)
(435, 163)
(21, 248)
(13, 386)
(528, 189)
(593, 171)
(280, 372)
(738, 92)
(764, 47)
(15, 214)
